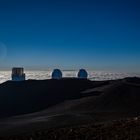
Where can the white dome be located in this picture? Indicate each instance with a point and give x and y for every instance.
(82, 74)
(56, 74)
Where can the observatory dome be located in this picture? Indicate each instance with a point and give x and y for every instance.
(82, 74)
(56, 74)
(18, 74)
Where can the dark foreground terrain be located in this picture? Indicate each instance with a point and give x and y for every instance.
(70, 109)
(128, 129)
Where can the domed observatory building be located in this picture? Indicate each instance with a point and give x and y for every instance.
(82, 74)
(18, 74)
(56, 74)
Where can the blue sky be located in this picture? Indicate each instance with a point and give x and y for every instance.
(70, 34)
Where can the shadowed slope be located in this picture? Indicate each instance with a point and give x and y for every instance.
(30, 96)
(118, 99)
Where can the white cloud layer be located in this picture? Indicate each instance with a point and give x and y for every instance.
(93, 75)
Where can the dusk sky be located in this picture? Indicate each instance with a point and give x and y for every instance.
(70, 34)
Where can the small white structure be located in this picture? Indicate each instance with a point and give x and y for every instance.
(82, 74)
(56, 74)
(18, 74)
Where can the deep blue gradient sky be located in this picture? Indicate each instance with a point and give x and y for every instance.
(69, 34)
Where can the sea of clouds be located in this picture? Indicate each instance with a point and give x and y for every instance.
(92, 75)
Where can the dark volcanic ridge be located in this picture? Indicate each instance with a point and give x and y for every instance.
(46, 104)
(35, 95)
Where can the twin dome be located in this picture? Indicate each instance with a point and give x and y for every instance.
(57, 74)
(82, 73)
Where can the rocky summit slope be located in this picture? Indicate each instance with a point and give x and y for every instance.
(84, 109)
(124, 129)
